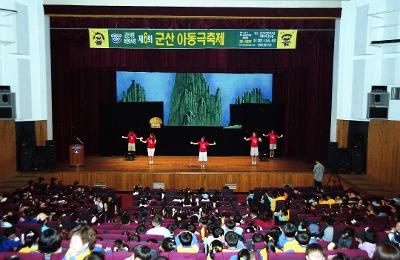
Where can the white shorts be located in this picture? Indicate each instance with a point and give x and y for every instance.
(131, 147)
(254, 151)
(150, 151)
(202, 156)
(272, 146)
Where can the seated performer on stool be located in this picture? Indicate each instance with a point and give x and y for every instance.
(131, 143)
(272, 142)
(151, 146)
(202, 150)
(253, 147)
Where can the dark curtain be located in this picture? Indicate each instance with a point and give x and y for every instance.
(83, 78)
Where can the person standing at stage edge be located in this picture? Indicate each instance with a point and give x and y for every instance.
(202, 150)
(253, 147)
(131, 143)
(151, 146)
(272, 142)
(318, 170)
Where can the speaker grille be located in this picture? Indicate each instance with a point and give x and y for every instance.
(378, 112)
(6, 113)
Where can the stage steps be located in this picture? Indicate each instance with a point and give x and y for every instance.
(17, 181)
(368, 185)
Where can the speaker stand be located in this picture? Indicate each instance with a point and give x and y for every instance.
(334, 178)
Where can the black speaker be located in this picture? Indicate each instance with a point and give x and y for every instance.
(51, 154)
(357, 161)
(39, 162)
(333, 156)
(25, 159)
(357, 152)
(25, 141)
(343, 161)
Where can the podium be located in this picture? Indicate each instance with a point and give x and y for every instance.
(76, 155)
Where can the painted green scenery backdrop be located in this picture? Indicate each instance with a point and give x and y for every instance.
(194, 99)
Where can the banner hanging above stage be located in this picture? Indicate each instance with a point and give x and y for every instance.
(192, 39)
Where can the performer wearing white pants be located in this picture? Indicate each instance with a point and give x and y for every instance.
(253, 147)
(202, 150)
(151, 147)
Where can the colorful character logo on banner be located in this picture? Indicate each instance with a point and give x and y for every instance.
(98, 38)
(287, 39)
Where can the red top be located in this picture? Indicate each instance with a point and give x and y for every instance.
(254, 141)
(131, 138)
(151, 143)
(203, 146)
(272, 138)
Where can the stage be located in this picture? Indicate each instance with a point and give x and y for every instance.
(184, 171)
(169, 164)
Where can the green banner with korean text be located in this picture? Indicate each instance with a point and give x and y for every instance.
(192, 39)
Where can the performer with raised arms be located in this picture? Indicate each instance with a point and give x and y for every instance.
(131, 136)
(151, 146)
(202, 150)
(272, 142)
(253, 147)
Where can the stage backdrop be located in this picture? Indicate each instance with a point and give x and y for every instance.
(83, 78)
(194, 99)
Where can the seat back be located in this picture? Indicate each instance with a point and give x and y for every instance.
(183, 256)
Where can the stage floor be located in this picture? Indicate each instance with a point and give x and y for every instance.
(176, 164)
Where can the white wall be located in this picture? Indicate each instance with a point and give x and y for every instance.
(361, 65)
(205, 3)
(24, 58)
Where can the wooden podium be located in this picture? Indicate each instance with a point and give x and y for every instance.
(76, 155)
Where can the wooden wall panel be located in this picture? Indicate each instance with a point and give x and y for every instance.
(125, 181)
(41, 132)
(8, 157)
(383, 161)
(342, 133)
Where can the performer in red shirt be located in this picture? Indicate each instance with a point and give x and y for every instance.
(272, 142)
(253, 147)
(202, 150)
(151, 146)
(131, 136)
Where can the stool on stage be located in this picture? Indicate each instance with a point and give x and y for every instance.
(76, 155)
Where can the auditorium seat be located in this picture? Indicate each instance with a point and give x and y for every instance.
(146, 237)
(227, 255)
(117, 255)
(259, 246)
(381, 237)
(154, 246)
(352, 253)
(22, 256)
(36, 227)
(286, 256)
(323, 243)
(113, 237)
(183, 256)
(108, 231)
(65, 244)
(58, 256)
(108, 226)
(104, 244)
